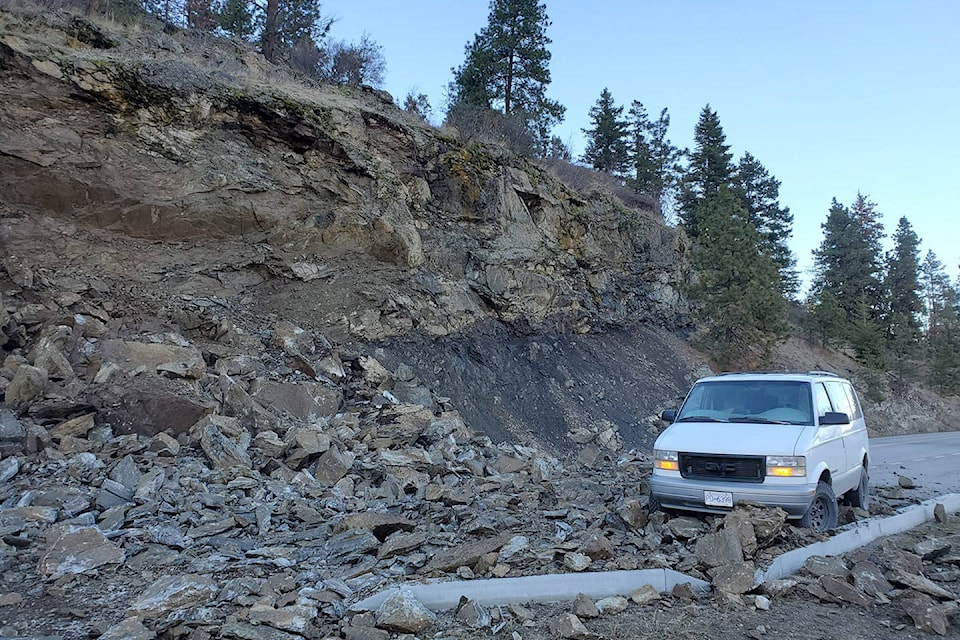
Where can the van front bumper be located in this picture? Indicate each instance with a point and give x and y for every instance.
(680, 493)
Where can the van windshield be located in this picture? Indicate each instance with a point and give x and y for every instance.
(763, 401)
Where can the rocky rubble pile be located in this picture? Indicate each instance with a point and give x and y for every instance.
(206, 480)
(915, 574)
(224, 482)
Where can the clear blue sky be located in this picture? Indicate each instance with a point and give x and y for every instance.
(833, 97)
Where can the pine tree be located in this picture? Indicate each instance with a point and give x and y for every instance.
(236, 18)
(709, 169)
(418, 104)
(941, 300)
(826, 321)
(847, 268)
(945, 360)
(639, 153)
(201, 15)
(170, 11)
(903, 302)
(902, 276)
(938, 294)
(737, 284)
(606, 148)
(865, 335)
(285, 24)
(760, 193)
(870, 230)
(653, 159)
(506, 67)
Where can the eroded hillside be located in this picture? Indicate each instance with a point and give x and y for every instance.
(200, 186)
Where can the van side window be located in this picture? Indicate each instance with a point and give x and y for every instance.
(823, 400)
(854, 401)
(840, 399)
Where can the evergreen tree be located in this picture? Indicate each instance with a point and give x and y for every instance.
(237, 19)
(737, 284)
(870, 230)
(653, 159)
(760, 193)
(286, 24)
(171, 11)
(941, 300)
(639, 152)
(902, 276)
(846, 264)
(418, 104)
(709, 169)
(938, 295)
(201, 15)
(557, 149)
(865, 334)
(606, 148)
(826, 321)
(506, 67)
(945, 360)
(903, 304)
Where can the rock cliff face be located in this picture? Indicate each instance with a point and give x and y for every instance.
(197, 175)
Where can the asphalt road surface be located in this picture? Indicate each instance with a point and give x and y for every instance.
(931, 460)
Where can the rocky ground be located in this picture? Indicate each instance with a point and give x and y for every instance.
(153, 488)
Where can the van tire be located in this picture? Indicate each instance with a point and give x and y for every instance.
(824, 511)
(653, 505)
(860, 497)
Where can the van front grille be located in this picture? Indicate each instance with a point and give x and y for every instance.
(713, 467)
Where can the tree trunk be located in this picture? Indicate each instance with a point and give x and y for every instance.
(271, 35)
(508, 82)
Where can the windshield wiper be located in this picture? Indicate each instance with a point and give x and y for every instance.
(756, 420)
(700, 419)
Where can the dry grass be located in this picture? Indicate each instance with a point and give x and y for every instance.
(588, 182)
(119, 11)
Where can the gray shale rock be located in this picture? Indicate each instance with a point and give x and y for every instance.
(78, 550)
(734, 578)
(128, 629)
(567, 625)
(868, 578)
(926, 614)
(403, 613)
(720, 548)
(27, 385)
(584, 607)
(224, 441)
(173, 593)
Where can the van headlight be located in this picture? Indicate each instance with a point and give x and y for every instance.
(786, 466)
(666, 460)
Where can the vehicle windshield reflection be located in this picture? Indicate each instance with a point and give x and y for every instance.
(775, 402)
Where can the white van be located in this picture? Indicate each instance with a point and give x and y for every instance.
(791, 440)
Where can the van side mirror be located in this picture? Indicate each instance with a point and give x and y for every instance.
(668, 415)
(834, 417)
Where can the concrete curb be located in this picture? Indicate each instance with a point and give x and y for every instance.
(438, 595)
(862, 533)
(557, 587)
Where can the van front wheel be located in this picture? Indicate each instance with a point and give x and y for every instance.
(860, 497)
(823, 512)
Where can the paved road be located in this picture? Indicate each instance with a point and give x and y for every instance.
(932, 460)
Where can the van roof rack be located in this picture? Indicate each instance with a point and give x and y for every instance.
(780, 372)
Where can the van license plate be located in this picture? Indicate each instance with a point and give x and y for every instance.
(718, 499)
